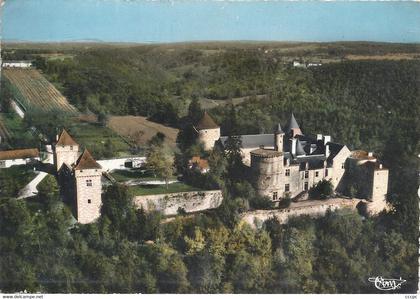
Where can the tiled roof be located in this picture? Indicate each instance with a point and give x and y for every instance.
(206, 122)
(199, 162)
(65, 139)
(86, 161)
(19, 154)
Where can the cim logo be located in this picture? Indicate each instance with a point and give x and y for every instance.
(387, 284)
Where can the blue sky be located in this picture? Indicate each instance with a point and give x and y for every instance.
(176, 21)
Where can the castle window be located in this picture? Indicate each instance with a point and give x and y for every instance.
(342, 165)
(306, 174)
(326, 171)
(89, 183)
(89, 201)
(306, 186)
(287, 188)
(71, 147)
(316, 173)
(287, 172)
(274, 195)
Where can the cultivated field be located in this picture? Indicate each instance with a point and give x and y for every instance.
(139, 130)
(36, 91)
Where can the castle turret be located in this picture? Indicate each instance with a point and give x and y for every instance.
(66, 150)
(208, 131)
(267, 169)
(292, 127)
(278, 138)
(87, 173)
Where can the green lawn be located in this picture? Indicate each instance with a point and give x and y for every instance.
(126, 175)
(101, 141)
(161, 189)
(14, 178)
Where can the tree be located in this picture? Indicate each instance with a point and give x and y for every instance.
(49, 123)
(195, 113)
(157, 139)
(48, 187)
(322, 190)
(118, 207)
(103, 118)
(160, 160)
(233, 154)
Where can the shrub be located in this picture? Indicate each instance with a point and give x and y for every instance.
(285, 203)
(322, 190)
(261, 202)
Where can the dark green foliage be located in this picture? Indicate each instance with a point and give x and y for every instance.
(322, 190)
(285, 202)
(369, 104)
(49, 123)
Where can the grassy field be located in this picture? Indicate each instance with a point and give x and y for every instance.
(101, 141)
(36, 91)
(126, 175)
(139, 130)
(161, 189)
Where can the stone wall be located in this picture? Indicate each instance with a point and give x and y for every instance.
(169, 204)
(314, 208)
(338, 167)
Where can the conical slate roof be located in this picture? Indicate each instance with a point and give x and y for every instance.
(206, 122)
(279, 129)
(293, 123)
(86, 161)
(65, 139)
(299, 149)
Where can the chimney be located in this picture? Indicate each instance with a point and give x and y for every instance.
(327, 150)
(318, 136)
(370, 154)
(294, 147)
(380, 166)
(327, 139)
(56, 137)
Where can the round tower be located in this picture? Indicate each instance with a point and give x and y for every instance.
(208, 131)
(267, 169)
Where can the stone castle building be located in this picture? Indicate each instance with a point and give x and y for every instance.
(288, 163)
(80, 178)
